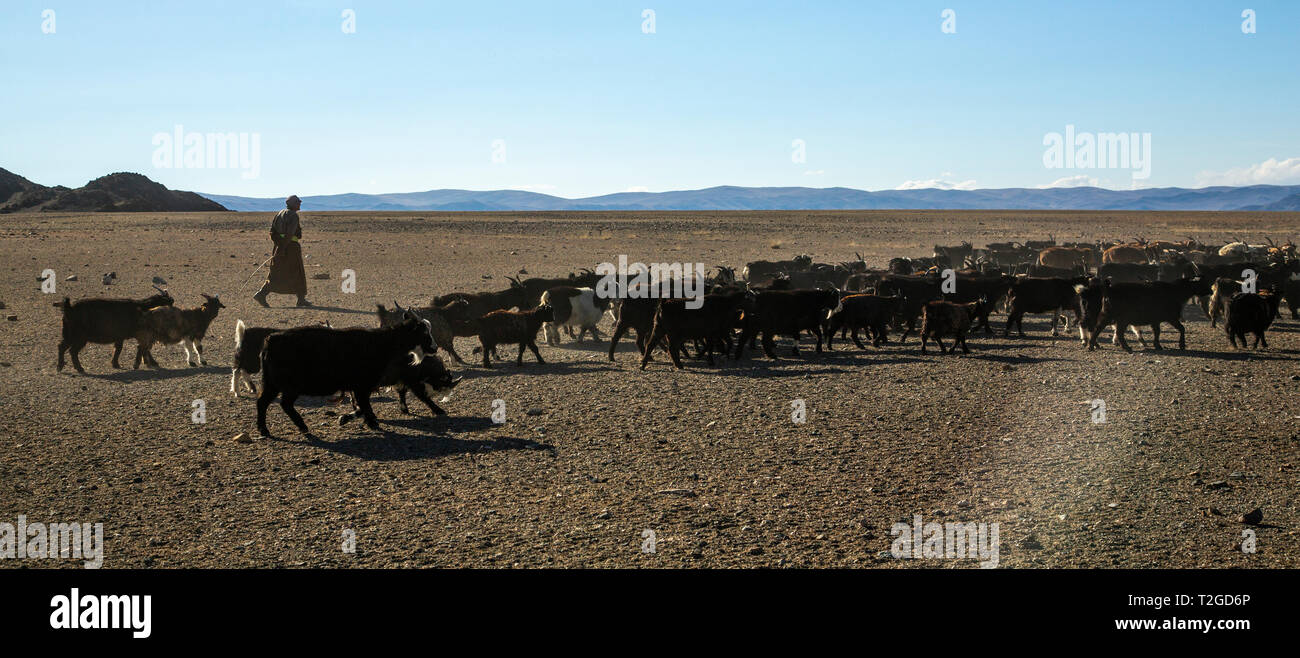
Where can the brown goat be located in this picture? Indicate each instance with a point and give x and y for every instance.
(511, 328)
(170, 325)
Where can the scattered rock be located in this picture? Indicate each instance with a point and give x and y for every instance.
(534, 411)
(11, 318)
(243, 437)
(71, 277)
(1253, 517)
(321, 276)
(689, 493)
(1031, 542)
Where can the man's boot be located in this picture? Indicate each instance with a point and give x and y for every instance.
(260, 297)
(302, 301)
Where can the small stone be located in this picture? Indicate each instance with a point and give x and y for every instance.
(11, 318)
(1253, 517)
(321, 276)
(534, 411)
(71, 277)
(243, 437)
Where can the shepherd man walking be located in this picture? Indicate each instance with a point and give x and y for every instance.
(287, 276)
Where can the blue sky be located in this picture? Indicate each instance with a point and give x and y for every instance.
(587, 103)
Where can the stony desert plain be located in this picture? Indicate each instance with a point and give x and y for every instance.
(593, 453)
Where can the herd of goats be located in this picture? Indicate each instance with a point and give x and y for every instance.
(1121, 284)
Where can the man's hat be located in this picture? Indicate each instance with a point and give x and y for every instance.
(291, 199)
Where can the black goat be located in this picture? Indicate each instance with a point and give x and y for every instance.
(423, 377)
(321, 361)
(1251, 313)
(1149, 303)
(248, 353)
(103, 321)
(512, 328)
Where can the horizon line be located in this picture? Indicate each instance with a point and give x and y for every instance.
(753, 187)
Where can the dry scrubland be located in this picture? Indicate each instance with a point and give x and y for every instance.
(707, 458)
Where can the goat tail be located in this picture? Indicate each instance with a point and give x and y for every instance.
(546, 298)
(240, 328)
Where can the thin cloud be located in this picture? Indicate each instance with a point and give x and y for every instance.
(1072, 181)
(936, 184)
(1269, 172)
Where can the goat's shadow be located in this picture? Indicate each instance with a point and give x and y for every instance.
(584, 346)
(326, 309)
(507, 367)
(127, 375)
(390, 445)
(1227, 354)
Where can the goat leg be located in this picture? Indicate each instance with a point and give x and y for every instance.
(264, 401)
(362, 400)
(420, 393)
(286, 403)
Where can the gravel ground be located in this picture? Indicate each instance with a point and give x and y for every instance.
(593, 454)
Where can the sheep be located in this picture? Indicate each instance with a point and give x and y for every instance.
(103, 321)
(169, 325)
(574, 307)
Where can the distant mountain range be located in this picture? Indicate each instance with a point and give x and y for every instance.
(1254, 197)
(129, 192)
(120, 192)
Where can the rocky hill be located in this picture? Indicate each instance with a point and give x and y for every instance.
(119, 192)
